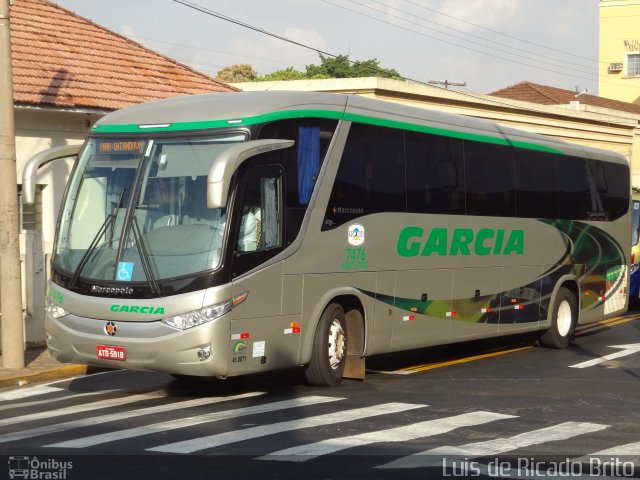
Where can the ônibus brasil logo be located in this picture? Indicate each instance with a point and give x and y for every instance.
(34, 468)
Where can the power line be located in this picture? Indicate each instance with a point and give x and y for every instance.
(490, 54)
(497, 32)
(208, 50)
(246, 25)
(226, 18)
(477, 37)
(484, 98)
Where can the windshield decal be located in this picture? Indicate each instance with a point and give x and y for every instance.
(125, 271)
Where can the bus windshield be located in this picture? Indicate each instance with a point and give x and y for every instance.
(136, 210)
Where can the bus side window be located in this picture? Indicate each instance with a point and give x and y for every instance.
(261, 212)
(435, 174)
(371, 176)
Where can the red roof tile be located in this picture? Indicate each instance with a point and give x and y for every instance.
(61, 59)
(546, 95)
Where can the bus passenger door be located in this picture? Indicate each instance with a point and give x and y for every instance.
(261, 337)
(476, 296)
(421, 304)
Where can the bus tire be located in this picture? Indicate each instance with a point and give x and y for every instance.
(563, 321)
(329, 353)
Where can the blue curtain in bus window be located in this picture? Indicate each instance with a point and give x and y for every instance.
(308, 161)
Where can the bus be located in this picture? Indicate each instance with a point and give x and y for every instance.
(235, 233)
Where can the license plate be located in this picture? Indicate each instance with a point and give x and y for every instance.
(111, 352)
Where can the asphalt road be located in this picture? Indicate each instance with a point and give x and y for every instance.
(502, 409)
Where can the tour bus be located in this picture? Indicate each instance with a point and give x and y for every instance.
(233, 233)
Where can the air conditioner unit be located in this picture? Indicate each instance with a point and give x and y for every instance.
(615, 67)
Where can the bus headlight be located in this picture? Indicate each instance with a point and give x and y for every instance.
(198, 317)
(55, 310)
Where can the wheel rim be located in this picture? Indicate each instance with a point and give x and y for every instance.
(337, 344)
(564, 318)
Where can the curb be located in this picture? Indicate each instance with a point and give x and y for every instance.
(24, 378)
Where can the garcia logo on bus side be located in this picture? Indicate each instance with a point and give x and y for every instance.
(416, 241)
(137, 309)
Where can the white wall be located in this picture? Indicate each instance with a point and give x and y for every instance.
(37, 130)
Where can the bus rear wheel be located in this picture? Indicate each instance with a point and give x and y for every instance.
(329, 353)
(563, 321)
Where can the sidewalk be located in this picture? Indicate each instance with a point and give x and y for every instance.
(39, 367)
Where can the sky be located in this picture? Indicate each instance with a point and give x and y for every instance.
(487, 44)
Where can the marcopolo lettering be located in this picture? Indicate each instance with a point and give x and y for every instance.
(137, 309)
(416, 241)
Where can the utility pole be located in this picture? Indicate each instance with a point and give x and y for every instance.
(11, 323)
(447, 83)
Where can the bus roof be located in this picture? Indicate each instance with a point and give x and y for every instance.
(218, 110)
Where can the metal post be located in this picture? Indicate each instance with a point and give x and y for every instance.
(11, 323)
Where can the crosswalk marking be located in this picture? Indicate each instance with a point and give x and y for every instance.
(225, 438)
(629, 452)
(27, 392)
(88, 407)
(433, 457)
(400, 434)
(191, 421)
(35, 403)
(87, 422)
(297, 453)
(620, 450)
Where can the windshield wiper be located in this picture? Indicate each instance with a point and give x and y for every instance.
(110, 220)
(144, 259)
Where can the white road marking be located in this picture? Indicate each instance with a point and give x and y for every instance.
(225, 438)
(21, 393)
(191, 421)
(433, 457)
(113, 417)
(620, 450)
(87, 407)
(427, 428)
(50, 401)
(626, 350)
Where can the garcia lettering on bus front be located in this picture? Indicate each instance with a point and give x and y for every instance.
(416, 241)
(144, 310)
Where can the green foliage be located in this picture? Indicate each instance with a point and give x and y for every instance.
(342, 67)
(286, 74)
(330, 67)
(240, 72)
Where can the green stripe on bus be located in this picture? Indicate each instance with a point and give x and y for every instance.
(330, 114)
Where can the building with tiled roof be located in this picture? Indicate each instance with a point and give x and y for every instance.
(63, 60)
(67, 73)
(547, 95)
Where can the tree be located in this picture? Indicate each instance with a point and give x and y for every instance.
(371, 68)
(240, 72)
(286, 74)
(342, 67)
(330, 67)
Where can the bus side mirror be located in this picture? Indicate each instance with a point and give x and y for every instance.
(227, 163)
(37, 161)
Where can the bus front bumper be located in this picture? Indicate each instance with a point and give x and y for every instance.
(143, 346)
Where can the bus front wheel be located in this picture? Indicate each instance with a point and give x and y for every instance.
(329, 353)
(563, 321)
